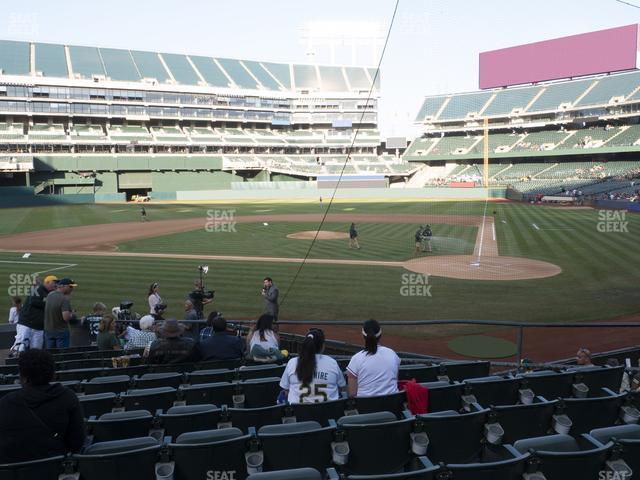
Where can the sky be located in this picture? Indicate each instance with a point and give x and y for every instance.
(433, 45)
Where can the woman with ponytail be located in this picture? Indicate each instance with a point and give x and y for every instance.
(374, 370)
(312, 377)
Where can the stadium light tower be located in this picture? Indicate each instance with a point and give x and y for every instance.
(336, 34)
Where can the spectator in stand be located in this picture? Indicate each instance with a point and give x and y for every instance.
(190, 313)
(154, 297)
(82, 331)
(57, 315)
(312, 377)
(141, 338)
(374, 370)
(107, 339)
(207, 331)
(583, 357)
(220, 345)
(30, 328)
(14, 311)
(263, 342)
(41, 419)
(171, 347)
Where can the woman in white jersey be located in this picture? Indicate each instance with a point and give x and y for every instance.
(374, 370)
(312, 377)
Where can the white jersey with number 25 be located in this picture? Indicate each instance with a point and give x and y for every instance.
(326, 381)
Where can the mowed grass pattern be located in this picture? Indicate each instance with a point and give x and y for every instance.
(378, 241)
(598, 279)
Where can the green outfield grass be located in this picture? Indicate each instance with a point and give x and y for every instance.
(598, 280)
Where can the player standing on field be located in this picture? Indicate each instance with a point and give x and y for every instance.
(353, 237)
(143, 213)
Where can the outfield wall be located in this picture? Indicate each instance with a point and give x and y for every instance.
(343, 193)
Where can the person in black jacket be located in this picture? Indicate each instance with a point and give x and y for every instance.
(30, 328)
(220, 345)
(41, 419)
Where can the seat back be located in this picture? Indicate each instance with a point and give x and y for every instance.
(260, 371)
(97, 404)
(260, 392)
(394, 403)
(459, 371)
(79, 374)
(218, 393)
(589, 413)
(548, 384)
(510, 469)
(151, 399)
(195, 457)
(115, 384)
(35, 469)
(290, 474)
(445, 397)
(421, 373)
(120, 425)
(211, 376)
(377, 448)
(525, 421)
(598, 377)
(494, 391)
(561, 457)
(190, 418)
(155, 380)
(627, 438)
(320, 412)
(296, 445)
(454, 438)
(132, 459)
(243, 418)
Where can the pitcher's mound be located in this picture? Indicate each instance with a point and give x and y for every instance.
(489, 268)
(322, 235)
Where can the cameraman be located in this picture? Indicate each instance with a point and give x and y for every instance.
(199, 298)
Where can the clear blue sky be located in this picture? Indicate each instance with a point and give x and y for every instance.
(433, 47)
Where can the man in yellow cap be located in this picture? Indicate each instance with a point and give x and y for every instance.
(30, 328)
(58, 313)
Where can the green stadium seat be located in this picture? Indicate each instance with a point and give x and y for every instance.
(454, 437)
(119, 425)
(563, 456)
(289, 474)
(152, 399)
(211, 375)
(378, 443)
(493, 390)
(587, 414)
(320, 412)
(524, 421)
(44, 468)
(222, 450)
(216, 393)
(245, 418)
(130, 459)
(97, 403)
(153, 380)
(296, 445)
(189, 418)
(627, 443)
(116, 384)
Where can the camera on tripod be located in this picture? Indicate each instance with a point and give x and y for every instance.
(124, 312)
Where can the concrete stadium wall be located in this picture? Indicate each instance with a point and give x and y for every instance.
(177, 181)
(354, 194)
(20, 200)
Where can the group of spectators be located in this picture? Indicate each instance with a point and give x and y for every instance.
(45, 419)
(46, 319)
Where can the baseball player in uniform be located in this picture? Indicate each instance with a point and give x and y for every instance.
(418, 237)
(426, 237)
(353, 237)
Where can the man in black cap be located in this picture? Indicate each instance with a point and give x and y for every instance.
(30, 328)
(171, 347)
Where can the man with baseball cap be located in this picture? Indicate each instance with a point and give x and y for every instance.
(30, 328)
(58, 314)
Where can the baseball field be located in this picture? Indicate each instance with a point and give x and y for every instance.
(491, 261)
